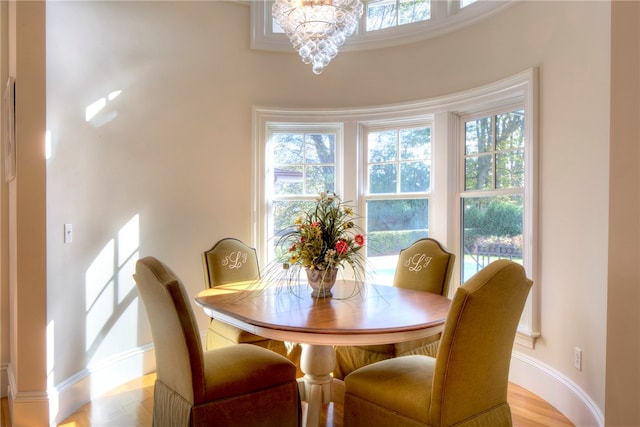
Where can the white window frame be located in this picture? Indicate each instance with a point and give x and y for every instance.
(446, 16)
(445, 113)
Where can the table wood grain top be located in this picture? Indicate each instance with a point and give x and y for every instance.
(357, 314)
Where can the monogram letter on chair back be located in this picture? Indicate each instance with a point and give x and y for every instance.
(228, 261)
(424, 266)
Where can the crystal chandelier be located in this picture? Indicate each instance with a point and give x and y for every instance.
(317, 28)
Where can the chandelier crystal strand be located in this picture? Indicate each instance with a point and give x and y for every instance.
(317, 28)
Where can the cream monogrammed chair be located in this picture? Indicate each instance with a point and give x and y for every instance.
(466, 384)
(423, 266)
(239, 385)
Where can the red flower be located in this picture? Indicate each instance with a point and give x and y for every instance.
(359, 239)
(342, 247)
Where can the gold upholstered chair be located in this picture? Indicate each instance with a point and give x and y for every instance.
(230, 260)
(424, 266)
(466, 384)
(239, 385)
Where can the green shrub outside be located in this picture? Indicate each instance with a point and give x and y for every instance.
(381, 243)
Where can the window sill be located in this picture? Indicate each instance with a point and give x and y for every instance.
(527, 339)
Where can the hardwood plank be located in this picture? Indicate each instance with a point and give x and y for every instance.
(529, 410)
(4, 413)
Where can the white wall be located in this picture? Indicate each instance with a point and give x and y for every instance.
(174, 150)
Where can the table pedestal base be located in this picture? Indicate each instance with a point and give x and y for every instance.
(317, 387)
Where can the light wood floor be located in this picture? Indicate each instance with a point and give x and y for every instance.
(130, 405)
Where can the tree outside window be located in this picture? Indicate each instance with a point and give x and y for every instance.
(304, 164)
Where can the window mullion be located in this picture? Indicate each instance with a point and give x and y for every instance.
(442, 9)
(494, 148)
(398, 164)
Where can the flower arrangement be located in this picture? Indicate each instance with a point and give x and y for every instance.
(324, 238)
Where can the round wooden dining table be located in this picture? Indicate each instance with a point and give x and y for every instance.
(357, 314)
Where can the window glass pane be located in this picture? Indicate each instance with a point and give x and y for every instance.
(319, 178)
(287, 180)
(391, 226)
(389, 222)
(287, 148)
(304, 163)
(380, 14)
(478, 173)
(414, 11)
(275, 28)
(415, 177)
(284, 213)
(382, 146)
(478, 136)
(510, 130)
(383, 178)
(415, 144)
(320, 148)
(492, 229)
(510, 169)
(390, 13)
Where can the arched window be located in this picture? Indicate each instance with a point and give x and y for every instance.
(385, 22)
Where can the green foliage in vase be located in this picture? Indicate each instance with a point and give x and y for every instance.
(324, 237)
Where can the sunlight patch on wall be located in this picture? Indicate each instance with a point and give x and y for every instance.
(129, 361)
(99, 292)
(92, 110)
(113, 95)
(112, 306)
(128, 244)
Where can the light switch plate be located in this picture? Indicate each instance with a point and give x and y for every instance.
(68, 233)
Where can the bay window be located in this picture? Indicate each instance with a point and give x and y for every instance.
(460, 169)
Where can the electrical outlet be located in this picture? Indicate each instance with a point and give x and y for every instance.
(577, 358)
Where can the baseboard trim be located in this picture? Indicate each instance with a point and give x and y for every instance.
(95, 380)
(26, 407)
(554, 387)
